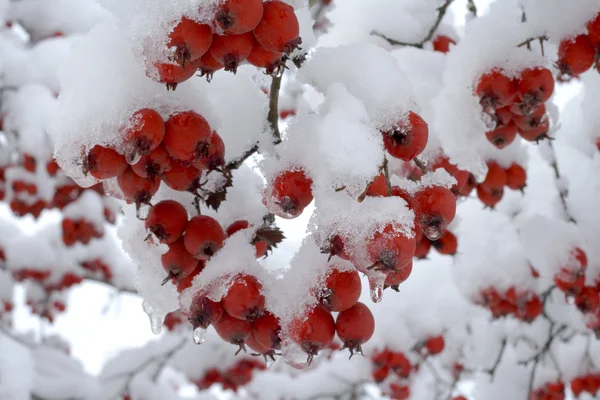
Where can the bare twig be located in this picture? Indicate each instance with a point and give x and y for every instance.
(235, 164)
(386, 173)
(562, 192)
(273, 115)
(492, 370)
(420, 164)
(441, 12)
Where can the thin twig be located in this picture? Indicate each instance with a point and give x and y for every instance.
(420, 164)
(273, 115)
(492, 371)
(562, 192)
(236, 163)
(441, 12)
(527, 42)
(386, 173)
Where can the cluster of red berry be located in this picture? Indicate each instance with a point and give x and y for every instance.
(523, 305)
(578, 54)
(550, 391)
(589, 383)
(516, 106)
(491, 190)
(232, 378)
(260, 33)
(79, 230)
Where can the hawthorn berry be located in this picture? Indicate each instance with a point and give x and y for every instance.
(52, 167)
(529, 309)
(204, 311)
(177, 261)
(278, 30)
(267, 331)
(172, 74)
(291, 193)
(260, 57)
(593, 29)
(447, 244)
(186, 282)
(395, 278)
(167, 220)
(313, 331)
(233, 330)
(236, 17)
(137, 189)
(496, 179)
(442, 43)
(399, 392)
(435, 208)
(187, 136)
(390, 249)
(244, 299)
(495, 90)
(190, 40)
(516, 177)
(257, 346)
(143, 133)
(208, 65)
(535, 87)
(104, 163)
(260, 247)
(489, 198)
(154, 164)
(435, 345)
(342, 290)
(378, 188)
(575, 56)
(587, 300)
(214, 158)
(408, 137)
(232, 50)
(538, 133)
(203, 237)
(182, 178)
(355, 326)
(503, 135)
(399, 364)
(29, 163)
(380, 374)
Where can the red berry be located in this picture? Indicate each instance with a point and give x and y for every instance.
(204, 311)
(535, 87)
(52, 167)
(291, 192)
(593, 28)
(403, 194)
(137, 189)
(154, 164)
(232, 50)
(167, 221)
(267, 331)
(380, 374)
(447, 244)
(390, 249)
(235, 17)
(516, 177)
(442, 43)
(233, 330)
(504, 115)
(435, 207)
(435, 345)
(503, 135)
(278, 29)
(182, 178)
(186, 282)
(355, 326)
(313, 331)
(177, 261)
(173, 74)
(489, 198)
(342, 290)
(143, 133)
(495, 90)
(244, 299)
(578, 386)
(532, 309)
(260, 247)
(495, 178)
(459, 398)
(408, 138)
(29, 163)
(399, 392)
(395, 278)
(203, 237)
(538, 133)
(378, 188)
(104, 163)
(256, 346)
(263, 58)
(190, 40)
(187, 136)
(575, 56)
(214, 157)
(209, 65)
(588, 300)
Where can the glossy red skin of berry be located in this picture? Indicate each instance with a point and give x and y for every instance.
(137, 189)
(403, 194)
(532, 309)
(267, 330)
(355, 326)
(447, 244)
(593, 28)
(292, 191)
(488, 197)
(380, 374)
(575, 56)
(395, 278)
(588, 300)
(255, 345)
(244, 299)
(232, 50)
(235, 17)
(187, 136)
(190, 39)
(378, 187)
(538, 133)
(399, 392)
(495, 90)
(182, 178)
(173, 74)
(435, 208)
(143, 133)
(504, 115)
(214, 157)
(177, 261)
(208, 65)
(495, 178)
(186, 282)
(154, 164)
(204, 311)
(203, 237)
(442, 43)
(342, 290)
(516, 177)
(531, 121)
(390, 250)
(313, 331)
(52, 167)
(435, 345)
(461, 176)
(535, 87)
(233, 330)
(503, 135)
(104, 163)
(263, 58)
(399, 364)
(408, 138)
(29, 163)
(278, 29)
(167, 220)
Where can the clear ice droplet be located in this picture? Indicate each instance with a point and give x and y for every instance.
(156, 319)
(199, 335)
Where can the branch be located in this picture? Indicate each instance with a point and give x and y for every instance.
(472, 7)
(273, 115)
(118, 289)
(421, 166)
(386, 173)
(236, 163)
(492, 371)
(562, 193)
(441, 12)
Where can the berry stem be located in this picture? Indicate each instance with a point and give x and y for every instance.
(420, 164)
(273, 115)
(386, 173)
